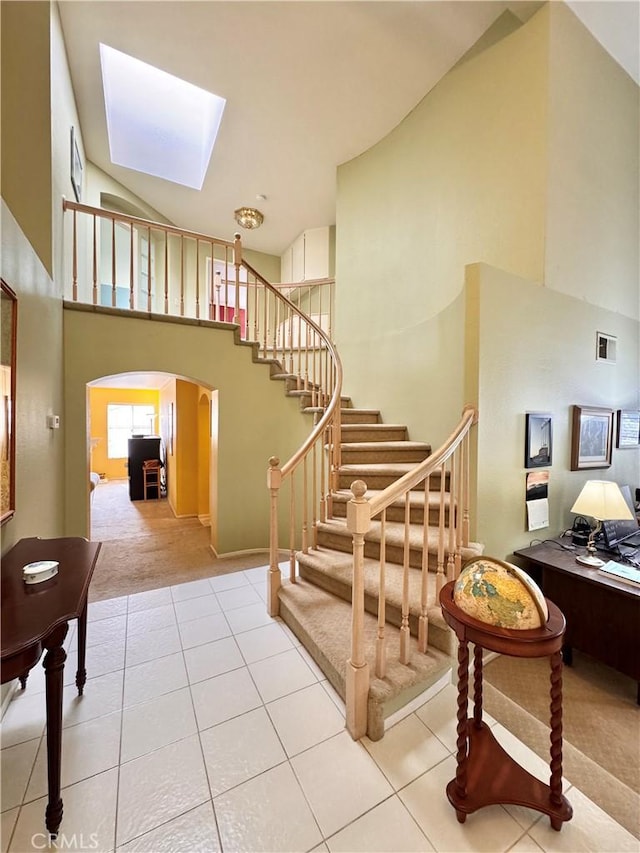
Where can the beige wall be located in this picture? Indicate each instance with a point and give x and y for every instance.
(255, 418)
(524, 360)
(25, 121)
(37, 113)
(460, 179)
(593, 190)
(521, 166)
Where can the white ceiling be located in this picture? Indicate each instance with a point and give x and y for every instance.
(309, 85)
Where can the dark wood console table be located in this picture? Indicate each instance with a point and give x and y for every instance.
(36, 618)
(486, 774)
(602, 613)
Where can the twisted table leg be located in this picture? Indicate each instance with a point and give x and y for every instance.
(461, 741)
(556, 735)
(477, 685)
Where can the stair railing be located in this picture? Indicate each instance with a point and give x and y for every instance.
(446, 471)
(156, 270)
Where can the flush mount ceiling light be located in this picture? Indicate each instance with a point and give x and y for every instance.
(158, 123)
(248, 217)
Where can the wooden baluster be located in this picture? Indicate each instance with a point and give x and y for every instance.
(74, 259)
(440, 576)
(299, 367)
(292, 528)
(458, 511)
(113, 264)
(218, 304)
(276, 325)
(94, 291)
(324, 479)
(357, 674)
(212, 315)
(314, 492)
(330, 469)
(149, 283)
(337, 454)
(166, 273)
(381, 640)
(237, 258)
(306, 356)
(465, 492)
(274, 481)
(131, 284)
(266, 323)
(405, 636)
(197, 279)
(258, 287)
(423, 621)
(451, 525)
(305, 506)
(181, 276)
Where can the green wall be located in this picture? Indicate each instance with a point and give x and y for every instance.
(256, 419)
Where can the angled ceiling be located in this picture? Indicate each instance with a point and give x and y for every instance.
(309, 85)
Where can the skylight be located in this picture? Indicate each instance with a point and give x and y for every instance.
(157, 123)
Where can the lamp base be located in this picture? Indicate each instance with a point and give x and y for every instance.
(589, 560)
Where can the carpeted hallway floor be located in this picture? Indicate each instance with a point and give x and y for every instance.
(145, 547)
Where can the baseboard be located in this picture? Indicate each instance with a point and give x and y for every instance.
(205, 520)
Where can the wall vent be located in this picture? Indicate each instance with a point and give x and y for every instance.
(606, 347)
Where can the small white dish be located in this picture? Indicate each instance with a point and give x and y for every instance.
(39, 571)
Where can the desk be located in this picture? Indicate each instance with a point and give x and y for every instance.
(36, 617)
(602, 613)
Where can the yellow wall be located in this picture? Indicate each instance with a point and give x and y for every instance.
(99, 399)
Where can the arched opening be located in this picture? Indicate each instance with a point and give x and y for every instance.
(136, 415)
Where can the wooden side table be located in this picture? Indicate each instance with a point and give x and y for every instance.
(486, 774)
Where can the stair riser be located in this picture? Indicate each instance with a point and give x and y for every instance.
(357, 456)
(362, 433)
(394, 554)
(396, 513)
(376, 480)
(359, 416)
(307, 400)
(437, 636)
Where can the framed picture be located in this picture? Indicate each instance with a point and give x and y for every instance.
(538, 438)
(591, 438)
(76, 166)
(628, 434)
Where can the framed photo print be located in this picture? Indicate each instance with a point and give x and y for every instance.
(538, 440)
(76, 167)
(591, 438)
(628, 434)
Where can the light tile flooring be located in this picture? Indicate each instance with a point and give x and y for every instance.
(205, 726)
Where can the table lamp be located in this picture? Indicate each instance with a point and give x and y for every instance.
(602, 500)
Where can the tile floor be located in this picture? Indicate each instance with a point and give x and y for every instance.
(205, 726)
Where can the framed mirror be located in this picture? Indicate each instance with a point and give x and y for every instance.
(8, 326)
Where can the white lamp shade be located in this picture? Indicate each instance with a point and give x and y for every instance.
(603, 500)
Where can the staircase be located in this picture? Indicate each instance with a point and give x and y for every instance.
(317, 605)
(375, 523)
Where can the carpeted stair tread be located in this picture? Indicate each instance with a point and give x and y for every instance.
(373, 432)
(323, 623)
(416, 498)
(362, 416)
(337, 568)
(336, 527)
(387, 445)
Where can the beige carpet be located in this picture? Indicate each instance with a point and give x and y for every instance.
(144, 546)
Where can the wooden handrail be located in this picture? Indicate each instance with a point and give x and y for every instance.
(412, 478)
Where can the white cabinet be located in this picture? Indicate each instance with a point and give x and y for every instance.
(308, 257)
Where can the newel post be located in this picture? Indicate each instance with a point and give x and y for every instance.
(357, 676)
(274, 481)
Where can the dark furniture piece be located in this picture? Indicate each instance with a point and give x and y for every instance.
(140, 450)
(486, 775)
(36, 618)
(602, 613)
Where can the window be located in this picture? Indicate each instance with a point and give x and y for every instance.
(123, 422)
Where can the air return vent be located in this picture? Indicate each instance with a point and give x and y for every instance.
(606, 347)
